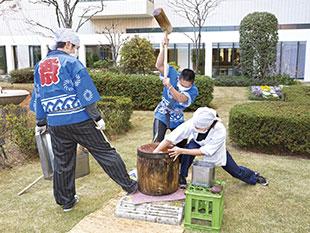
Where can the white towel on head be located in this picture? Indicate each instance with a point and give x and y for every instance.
(204, 117)
(64, 35)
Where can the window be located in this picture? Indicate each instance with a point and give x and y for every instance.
(97, 52)
(291, 58)
(172, 52)
(183, 55)
(225, 59)
(34, 55)
(3, 65)
(301, 57)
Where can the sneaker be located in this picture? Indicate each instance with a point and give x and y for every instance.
(262, 180)
(77, 199)
(182, 182)
(256, 174)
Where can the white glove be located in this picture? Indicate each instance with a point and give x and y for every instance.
(40, 129)
(100, 124)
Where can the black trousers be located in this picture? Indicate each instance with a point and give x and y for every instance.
(159, 132)
(64, 143)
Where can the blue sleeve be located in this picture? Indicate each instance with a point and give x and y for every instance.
(85, 88)
(193, 92)
(173, 74)
(35, 103)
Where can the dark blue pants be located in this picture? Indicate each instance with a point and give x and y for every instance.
(242, 173)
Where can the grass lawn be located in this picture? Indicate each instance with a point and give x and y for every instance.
(284, 206)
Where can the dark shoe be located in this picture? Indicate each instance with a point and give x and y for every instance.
(262, 180)
(257, 174)
(77, 199)
(135, 189)
(182, 182)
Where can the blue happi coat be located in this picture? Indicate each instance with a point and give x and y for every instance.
(171, 110)
(62, 89)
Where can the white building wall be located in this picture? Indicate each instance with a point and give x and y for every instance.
(227, 13)
(14, 31)
(231, 12)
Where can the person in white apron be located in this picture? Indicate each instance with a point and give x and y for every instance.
(206, 135)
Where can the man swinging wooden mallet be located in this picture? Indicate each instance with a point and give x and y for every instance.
(179, 92)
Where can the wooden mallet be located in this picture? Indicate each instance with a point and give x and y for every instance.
(166, 27)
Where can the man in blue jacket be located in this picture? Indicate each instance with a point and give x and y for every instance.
(64, 98)
(179, 92)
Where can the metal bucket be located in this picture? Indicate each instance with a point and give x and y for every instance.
(203, 173)
(44, 145)
(82, 162)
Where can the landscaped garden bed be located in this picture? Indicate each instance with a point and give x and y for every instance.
(274, 126)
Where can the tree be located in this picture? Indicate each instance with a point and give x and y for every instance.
(116, 39)
(196, 12)
(8, 6)
(137, 56)
(64, 12)
(258, 44)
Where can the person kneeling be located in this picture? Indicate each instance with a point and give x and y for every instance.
(207, 137)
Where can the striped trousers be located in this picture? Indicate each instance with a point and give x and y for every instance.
(64, 143)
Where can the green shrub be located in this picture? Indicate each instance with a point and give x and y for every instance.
(22, 75)
(271, 126)
(116, 112)
(205, 87)
(91, 58)
(18, 126)
(137, 56)
(174, 65)
(298, 94)
(243, 81)
(146, 91)
(279, 79)
(258, 43)
(232, 81)
(103, 64)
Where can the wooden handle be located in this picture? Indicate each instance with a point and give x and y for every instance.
(30, 185)
(165, 58)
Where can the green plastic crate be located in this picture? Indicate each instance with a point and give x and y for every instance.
(203, 209)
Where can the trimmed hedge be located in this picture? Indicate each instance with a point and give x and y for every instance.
(205, 87)
(298, 94)
(116, 112)
(242, 81)
(270, 126)
(22, 75)
(146, 90)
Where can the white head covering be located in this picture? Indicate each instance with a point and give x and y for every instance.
(64, 35)
(203, 117)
